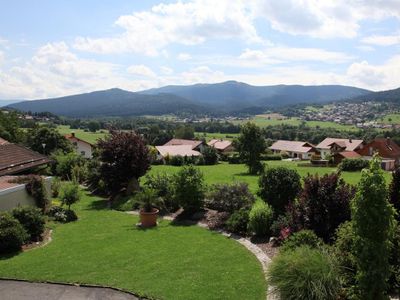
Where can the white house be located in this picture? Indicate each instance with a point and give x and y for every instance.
(295, 149)
(82, 147)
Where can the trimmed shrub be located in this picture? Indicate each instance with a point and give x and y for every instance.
(189, 188)
(278, 187)
(62, 215)
(12, 233)
(353, 164)
(238, 221)
(302, 238)
(55, 187)
(229, 197)
(304, 274)
(32, 219)
(271, 157)
(210, 155)
(260, 218)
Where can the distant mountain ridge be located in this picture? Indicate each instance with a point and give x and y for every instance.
(382, 96)
(219, 98)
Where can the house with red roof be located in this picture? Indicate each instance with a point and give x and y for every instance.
(386, 148)
(332, 146)
(82, 147)
(223, 146)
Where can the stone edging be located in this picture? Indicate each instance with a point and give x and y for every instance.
(258, 253)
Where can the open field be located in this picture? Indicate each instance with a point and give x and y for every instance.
(226, 173)
(390, 119)
(104, 247)
(209, 136)
(264, 122)
(90, 137)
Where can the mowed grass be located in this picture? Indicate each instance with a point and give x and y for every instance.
(104, 247)
(90, 137)
(264, 122)
(226, 173)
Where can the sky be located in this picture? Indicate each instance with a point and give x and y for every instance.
(55, 48)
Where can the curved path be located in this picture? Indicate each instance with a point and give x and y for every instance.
(22, 290)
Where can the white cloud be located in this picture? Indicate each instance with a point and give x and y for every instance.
(55, 71)
(324, 19)
(189, 23)
(141, 70)
(382, 40)
(166, 70)
(184, 56)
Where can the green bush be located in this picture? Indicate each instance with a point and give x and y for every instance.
(70, 194)
(302, 238)
(32, 219)
(234, 159)
(176, 160)
(260, 218)
(62, 215)
(65, 164)
(229, 197)
(189, 188)
(35, 187)
(304, 274)
(353, 164)
(210, 155)
(163, 184)
(12, 233)
(271, 157)
(238, 221)
(55, 187)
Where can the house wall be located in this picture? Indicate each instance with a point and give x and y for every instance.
(18, 196)
(84, 149)
(324, 153)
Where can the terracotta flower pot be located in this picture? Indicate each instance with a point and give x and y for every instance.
(148, 219)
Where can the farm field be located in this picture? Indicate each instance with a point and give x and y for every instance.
(209, 136)
(90, 137)
(104, 247)
(226, 173)
(391, 119)
(264, 122)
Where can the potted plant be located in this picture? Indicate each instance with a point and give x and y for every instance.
(148, 200)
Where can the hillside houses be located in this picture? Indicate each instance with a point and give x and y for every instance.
(82, 147)
(331, 146)
(180, 147)
(222, 146)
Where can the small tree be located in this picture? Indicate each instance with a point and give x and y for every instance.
(373, 223)
(124, 159)
(210, 155)
(189, 188)
(70, 194)
(279, 186)
(251, 145)
(394, 192)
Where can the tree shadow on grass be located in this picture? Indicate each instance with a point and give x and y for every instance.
(100, 204)
(245, 174)
(6, 256)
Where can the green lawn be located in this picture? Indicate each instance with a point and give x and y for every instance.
(391, 119)
(263, 122)
(225, 173)
(209, 136)
(90, 137)
(169, 262)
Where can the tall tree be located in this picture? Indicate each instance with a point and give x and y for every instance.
(46, 140)
(373, 223)
(124, 159)
(394, 190)
(250, 145)
(10, 127)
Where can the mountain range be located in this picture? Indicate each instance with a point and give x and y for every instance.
(219, 98)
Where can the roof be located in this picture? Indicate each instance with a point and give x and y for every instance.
(180, 142)
(182, 150)
(15, 158)
(3, 141)
(73, 138)
(292, 146)
(219, 144)
(350, 144)
(349, 154)
(7, 182)
(386, 148)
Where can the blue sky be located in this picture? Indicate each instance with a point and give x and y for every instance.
(56, 48)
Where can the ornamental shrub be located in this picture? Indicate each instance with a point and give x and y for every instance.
(238, 221)
(353, 164)
(278, 187)
(229, 197)
(260, 218)
(177, 160)
(62, 215)
(70, 194)
(55, 187)
(302, 238)
(32, 219)
(210, 155)
(304, 274)
(12, 233)
(163, 184)
(35, 187)
(189, 188)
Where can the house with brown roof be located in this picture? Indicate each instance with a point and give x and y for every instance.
(195, 145)
(339, 156)
(82, 147)
(295, 149)
(180, 147)
(386, 148)
(15, 159)
(223, 146)
(332, 146)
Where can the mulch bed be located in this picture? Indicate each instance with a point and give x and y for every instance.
(45, 238)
